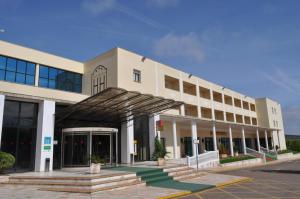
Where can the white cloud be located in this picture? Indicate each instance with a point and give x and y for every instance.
(96, 7)
(163, 3)
(284, 80)
(183, 46)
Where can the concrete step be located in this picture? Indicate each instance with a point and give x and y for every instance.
(176, 168)
(76, 189)
(72, 182)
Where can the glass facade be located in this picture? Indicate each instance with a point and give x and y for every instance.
(50, 77)
(19, 132)
(16, 70)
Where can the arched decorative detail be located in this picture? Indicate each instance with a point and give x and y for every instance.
(99, 79)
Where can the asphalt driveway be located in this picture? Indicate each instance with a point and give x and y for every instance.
(270, 181)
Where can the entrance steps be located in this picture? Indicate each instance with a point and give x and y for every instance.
(183, 172)
(79, 184)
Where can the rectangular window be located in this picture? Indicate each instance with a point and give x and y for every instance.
(60, 79)
(16, 70)
(136, 76)
(171, 83)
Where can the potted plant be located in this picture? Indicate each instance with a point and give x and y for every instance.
(236, 151)
(223, 151)
(95, 165)
(6, 161)
(159, 152)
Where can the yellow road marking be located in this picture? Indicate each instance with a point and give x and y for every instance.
(235, 181)
(231, 194)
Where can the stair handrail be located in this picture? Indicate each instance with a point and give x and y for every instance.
(269, 152)
(203, 157)
(257, 154)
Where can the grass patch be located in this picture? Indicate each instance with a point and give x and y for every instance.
(235, 159)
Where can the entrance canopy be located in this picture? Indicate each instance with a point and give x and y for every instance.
(111, 107)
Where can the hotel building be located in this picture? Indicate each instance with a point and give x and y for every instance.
(55, 112)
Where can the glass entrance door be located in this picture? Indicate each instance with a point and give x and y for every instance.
(76, 149)
(101, 146)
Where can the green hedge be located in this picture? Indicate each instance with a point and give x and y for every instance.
(6, 161)
(235, 159)
(293, 145)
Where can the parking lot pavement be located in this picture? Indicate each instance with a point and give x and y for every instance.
(271, 181)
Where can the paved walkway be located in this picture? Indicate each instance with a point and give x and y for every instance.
(138, 192)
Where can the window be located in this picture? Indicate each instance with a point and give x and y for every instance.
(219, 115)
(189, 88)
(239, 118)
(217, 97)
(247, 120)
(252, 107)
(245, 105)
(191, 110)
(228, 100)
(206, 113)
(254, 121)
(16, 70)
(136, 76)
(171, 83)
(229, 117)
(204, 92)
(60, 79)
(237, 103)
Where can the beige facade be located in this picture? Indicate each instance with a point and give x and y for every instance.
(209, 109)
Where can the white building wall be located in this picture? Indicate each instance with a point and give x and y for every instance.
(2, 101)
(127, 141)
(45, 130)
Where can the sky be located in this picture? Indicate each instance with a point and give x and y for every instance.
(251, 46)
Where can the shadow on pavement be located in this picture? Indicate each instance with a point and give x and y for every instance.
(281, 171)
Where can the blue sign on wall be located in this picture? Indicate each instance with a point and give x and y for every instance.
(47, 140)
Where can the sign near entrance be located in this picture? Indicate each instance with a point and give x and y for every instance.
(47, 143)
(159, 125)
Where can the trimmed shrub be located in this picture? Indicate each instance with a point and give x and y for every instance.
(293, 145)
(6, 161)
(235, 159)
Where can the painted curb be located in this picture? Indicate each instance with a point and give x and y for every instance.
(235, 181)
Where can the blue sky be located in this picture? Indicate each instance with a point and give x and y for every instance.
(252, 46)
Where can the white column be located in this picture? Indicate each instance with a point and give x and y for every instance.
(153, 132)
(127, 141)
(194, 136)
(45, 134)
(257, 140)
(214, 131)
(175, 155)
(230, 141)
(278, 140)
(244, 141)
(266, 140)
(2, 101)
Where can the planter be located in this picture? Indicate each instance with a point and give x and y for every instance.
(95, 168)
(161, 162)
(224, 156)
(236, 154)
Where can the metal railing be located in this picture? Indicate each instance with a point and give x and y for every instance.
(269, 153)
(257, 154)
(206, 157)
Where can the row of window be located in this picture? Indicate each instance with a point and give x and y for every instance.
(191, 110)
(23, 72)
(16, 70)
(50, 77)
(191, 89)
